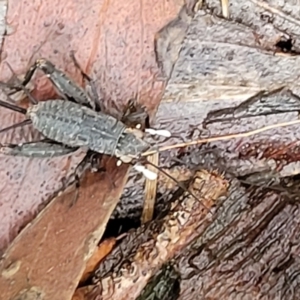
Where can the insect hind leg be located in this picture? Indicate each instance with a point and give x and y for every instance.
(64, 85)
(135, 116)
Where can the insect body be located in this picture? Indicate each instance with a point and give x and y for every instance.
(78, 124)
(75, 125)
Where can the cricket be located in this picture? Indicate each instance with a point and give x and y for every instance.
(76, 121)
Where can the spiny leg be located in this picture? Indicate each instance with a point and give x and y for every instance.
(10, 89)
(15, 148)
(65, 87)
(30, 97)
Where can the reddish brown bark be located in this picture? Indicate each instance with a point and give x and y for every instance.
(113, 42)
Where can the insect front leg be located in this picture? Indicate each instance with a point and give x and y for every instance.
(136, 116)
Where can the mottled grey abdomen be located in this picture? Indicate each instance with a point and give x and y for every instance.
(76, 126)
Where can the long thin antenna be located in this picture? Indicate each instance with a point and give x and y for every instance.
(221, 137)
(179, 184)
(210, 139)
